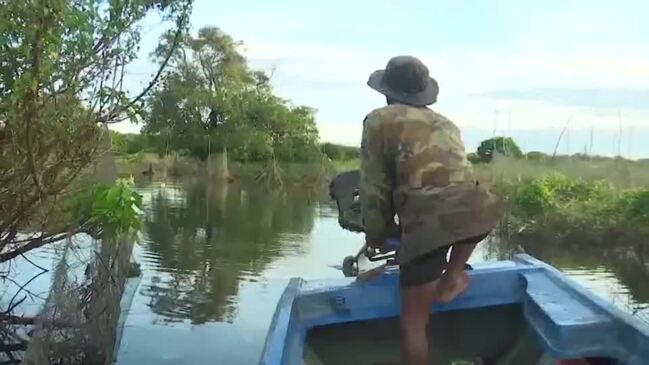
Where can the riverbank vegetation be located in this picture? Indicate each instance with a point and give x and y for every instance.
(175, 165)
(596, 195)
(213, 108)
(599, 200)
(600, 197)
(62, 71)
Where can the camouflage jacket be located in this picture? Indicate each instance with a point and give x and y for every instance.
(413, 165)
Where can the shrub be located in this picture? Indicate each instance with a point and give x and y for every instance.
(534, 198)
(567, 189)
(636, 207)
(556, 190)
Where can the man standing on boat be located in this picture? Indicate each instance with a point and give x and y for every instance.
(413, 165)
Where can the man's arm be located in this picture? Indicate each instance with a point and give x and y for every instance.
(376, 184)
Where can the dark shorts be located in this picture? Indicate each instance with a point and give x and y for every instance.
(429, 267)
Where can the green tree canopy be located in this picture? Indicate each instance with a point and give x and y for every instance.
(502, 145)
(211, 101)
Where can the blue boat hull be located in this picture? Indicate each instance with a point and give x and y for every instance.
(567, 321)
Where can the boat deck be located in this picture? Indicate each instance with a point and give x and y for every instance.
(567, 320)
(453, 336)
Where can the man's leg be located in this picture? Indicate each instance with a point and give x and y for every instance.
(416, 303)
(419, 281)
(455, 280)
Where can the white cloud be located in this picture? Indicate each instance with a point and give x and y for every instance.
(342, 133)
(463, 71)
(332, 78)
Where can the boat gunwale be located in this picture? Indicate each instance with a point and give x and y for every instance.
(626, 325)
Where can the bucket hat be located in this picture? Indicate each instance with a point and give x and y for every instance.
(405, 79)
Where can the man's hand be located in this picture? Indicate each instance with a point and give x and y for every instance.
(375, 248)
(374, 245)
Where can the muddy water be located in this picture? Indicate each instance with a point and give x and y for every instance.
(215, 259)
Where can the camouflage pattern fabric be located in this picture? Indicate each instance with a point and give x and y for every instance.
(413, 165)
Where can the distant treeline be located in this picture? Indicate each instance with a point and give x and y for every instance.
(504, 146)
(132, 143)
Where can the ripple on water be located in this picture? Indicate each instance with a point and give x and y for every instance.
(603, 281)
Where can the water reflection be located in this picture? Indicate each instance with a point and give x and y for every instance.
(215, 259)
(202, 240)
(207, 239)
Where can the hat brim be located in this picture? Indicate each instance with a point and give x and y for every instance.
(425, 97)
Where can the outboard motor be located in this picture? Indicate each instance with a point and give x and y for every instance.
(344, 190)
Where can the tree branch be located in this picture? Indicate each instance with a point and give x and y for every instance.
(13, 348)
(34, 264)
(31, 95)
(30, 321)
(13, 305)
(177, 36)
(33, 244)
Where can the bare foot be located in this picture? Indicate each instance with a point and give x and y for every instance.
(451, 285)
(372, 274)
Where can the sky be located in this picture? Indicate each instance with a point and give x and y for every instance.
(516, 68)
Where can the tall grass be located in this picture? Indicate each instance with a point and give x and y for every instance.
(623, 174)
(606, 202)
(345, 165)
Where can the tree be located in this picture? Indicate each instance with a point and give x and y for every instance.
(62, 66)
(212, 102)
(198, 96)
(502, 145)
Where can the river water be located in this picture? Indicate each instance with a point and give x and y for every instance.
(216, 257)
